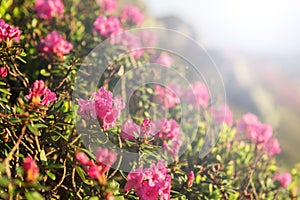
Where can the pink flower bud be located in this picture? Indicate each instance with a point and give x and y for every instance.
(3, 72)
(190, 179)
(82, 158)
(31, 170)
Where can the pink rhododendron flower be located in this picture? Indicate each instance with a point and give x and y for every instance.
(47, 9)
(40, 94)
(222, 114)
(55, 44)
(86, 108)
(8, 32)
(169, 132)
(273, 147)
(164, 60)
(107, 26)
(104, 107)
(130, 130)
(200, 95)
(131, 42)
(285, 179)
(148, 39)
(190, 179)
(256, 131)
(132, 15)
(31, 170)
(167, 96)
(150, 183)
(108, 6)
(104, 160)
(3, 72)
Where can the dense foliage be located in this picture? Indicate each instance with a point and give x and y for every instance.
(53, 144)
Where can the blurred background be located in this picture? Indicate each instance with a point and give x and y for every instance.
(256, 46)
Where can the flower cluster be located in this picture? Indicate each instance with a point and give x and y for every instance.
(104, 160)
(108, 6)
(104, 107)
(150, 183)
(164, 59)
(47, 9)
(167, 96)
(107, 26)
(40, 94)
(200, 95)
(31, 170)
(169, 133)
(284, 178)
(55, 44)
(222, 115)
(132, 15)
(259, 133)
(8, 32)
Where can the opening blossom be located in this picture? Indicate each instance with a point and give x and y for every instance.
(54, 43)
(46, 9)
(284, 178)
(31, 170)
(9, 33)
(104, 160)
(40, 94)
(190, 179)
(132, 15)
(150, 183)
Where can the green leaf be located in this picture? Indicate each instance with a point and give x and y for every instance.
(5, 91)
(51, 175)
(33, 196)
(4, 181)
(33, 129)
(80, 172)
(43, 156)
(94, 198)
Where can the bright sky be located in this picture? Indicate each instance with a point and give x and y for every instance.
(264, 26)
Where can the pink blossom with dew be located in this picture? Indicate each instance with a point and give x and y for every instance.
(222, 115)
(46, 9)
(40, 94)
(8, 32)
(272, 147)
(108, 6)
(130, 130)
(132, 15)
(150, 183)
(200, 95)
(3, 72)
(167, 96)
(31, 170)
(284, 178)
(107, 26)
(190, 178)
(86, 108)
(55, 44)
(164, 60)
